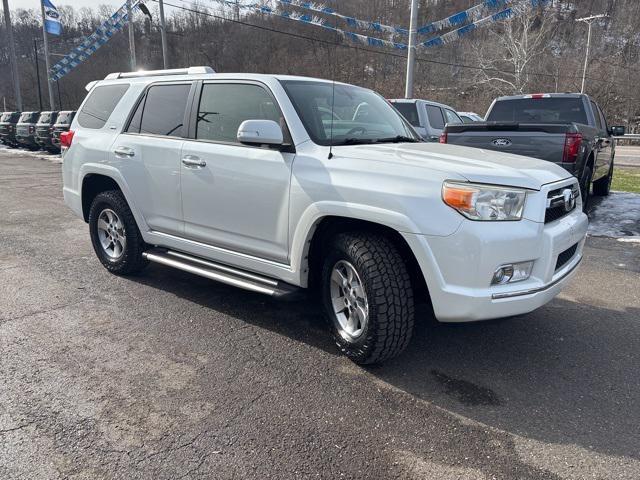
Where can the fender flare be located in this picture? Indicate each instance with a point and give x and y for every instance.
(115, 175)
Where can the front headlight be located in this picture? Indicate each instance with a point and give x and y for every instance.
(484, 202)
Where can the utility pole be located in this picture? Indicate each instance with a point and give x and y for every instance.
(12, 55)
(588, 21)
(163, 36)
(52, 101)
(411, 54)
(132, 39)
(35, 51)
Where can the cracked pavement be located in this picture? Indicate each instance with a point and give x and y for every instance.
(168, 375)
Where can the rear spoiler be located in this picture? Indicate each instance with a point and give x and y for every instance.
(510, 127)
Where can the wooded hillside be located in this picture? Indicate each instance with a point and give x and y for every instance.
(542, 51)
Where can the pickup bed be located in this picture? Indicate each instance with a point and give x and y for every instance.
(567, 129)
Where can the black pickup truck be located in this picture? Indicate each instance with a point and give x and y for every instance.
(568, 129)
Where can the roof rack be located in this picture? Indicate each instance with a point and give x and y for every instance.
(156, 73)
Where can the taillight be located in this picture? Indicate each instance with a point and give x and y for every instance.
(443, 137)
(572, 144)
(66, 138)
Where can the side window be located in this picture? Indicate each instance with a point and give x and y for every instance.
(603, 119)
(596, 114)
(435, 117)
(100, 105)
(452, 117)
(223, 107)
(163, 110)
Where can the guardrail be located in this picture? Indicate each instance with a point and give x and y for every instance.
(629, 136)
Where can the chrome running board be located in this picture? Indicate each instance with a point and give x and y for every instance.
(223, 273)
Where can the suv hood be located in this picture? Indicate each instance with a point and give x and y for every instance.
(474, 164)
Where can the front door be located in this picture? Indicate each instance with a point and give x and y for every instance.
(235, 196)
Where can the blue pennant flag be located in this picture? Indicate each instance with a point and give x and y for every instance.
(51, 18)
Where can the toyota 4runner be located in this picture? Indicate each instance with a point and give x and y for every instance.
(246, 180)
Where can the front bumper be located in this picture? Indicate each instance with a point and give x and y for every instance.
(458, 268)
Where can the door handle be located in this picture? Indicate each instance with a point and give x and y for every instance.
(124, 152)
(193, 161)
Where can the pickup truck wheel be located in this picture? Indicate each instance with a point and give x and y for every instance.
(368, 297)
(585, 188)
(115, 235)
(602, 187)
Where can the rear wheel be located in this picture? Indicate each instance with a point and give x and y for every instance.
(602, 187)
(115, 235)
(368, 297)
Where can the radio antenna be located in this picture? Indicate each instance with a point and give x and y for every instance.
(333, 85)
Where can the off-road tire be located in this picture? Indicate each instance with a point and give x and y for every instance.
(585, 188)
(389, 294)
(602, 186)
(131, 261)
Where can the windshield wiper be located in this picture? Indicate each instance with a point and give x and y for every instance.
(356, 141)
(397, 139)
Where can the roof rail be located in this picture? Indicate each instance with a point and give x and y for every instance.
(156, 73)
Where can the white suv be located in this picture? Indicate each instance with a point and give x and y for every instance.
(276, 183)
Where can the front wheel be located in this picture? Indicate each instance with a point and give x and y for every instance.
(368, 297)
(115, 235)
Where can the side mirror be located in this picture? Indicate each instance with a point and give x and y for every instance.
(260, 132)
(618, 131)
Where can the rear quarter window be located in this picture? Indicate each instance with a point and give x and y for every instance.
(100, 105)
(408, 111)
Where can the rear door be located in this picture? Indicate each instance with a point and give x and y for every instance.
(604, 143)
(148, 152)
(235, 196)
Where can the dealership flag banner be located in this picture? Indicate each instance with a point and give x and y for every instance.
(51, 18)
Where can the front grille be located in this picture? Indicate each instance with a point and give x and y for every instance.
(565, 256)
(22, 131)
(42, 132)
(555, 203)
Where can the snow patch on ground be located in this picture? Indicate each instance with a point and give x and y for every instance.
(51, 157)
(617, 215)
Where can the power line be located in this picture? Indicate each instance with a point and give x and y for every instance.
(377, 52)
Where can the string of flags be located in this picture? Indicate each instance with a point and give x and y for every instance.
(120, 18)
(93, 42)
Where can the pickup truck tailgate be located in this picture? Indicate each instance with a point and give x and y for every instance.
(543, 142)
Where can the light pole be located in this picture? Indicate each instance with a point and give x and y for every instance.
(12, 55)
(163, 36)
(411, 54)
(132, 38)
(588, 21)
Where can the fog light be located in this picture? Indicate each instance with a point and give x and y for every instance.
(513, 272)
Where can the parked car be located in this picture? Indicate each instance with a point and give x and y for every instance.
(8, 122)
(428, 118)
(63, 123)
(44, 127)
(26, 130)
(470, 117)
(568, 129)
(244, 179)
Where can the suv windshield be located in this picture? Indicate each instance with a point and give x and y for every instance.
(45, 117)
(29, 117)
(539, 110)
(9, 116)
(359, 115)
(65, 117)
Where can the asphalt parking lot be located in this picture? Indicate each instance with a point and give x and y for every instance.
(167, 375)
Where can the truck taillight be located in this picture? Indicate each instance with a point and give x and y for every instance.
(572, 144)
(66, 138)
(443, 137)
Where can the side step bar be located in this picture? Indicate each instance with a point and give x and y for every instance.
(223, 273)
